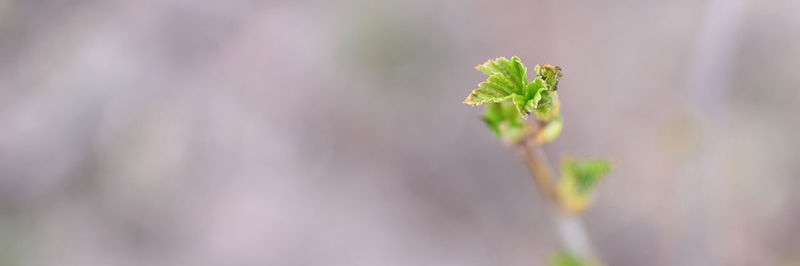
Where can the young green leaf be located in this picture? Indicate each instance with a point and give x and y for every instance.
(508, 82)
(564, 258)
(512, 69)
(506, 78)
(533, 90)
(579, 179)
(505, 122)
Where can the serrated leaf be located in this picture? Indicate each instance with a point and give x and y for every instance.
(513, 69)
(578, 181)
(502, 83)
(564, 258)
(505, 122)
(507, 82)
(506, 78)
(486, 93)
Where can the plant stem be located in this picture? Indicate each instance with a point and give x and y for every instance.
(573, 235)
(539, 167)
(570, 226)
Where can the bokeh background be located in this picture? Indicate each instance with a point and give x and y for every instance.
(182, 132)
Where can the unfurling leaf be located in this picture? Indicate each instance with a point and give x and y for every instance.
(578, 181)
(551, 74)
(564, 258)
(505, 122)
(508, 82)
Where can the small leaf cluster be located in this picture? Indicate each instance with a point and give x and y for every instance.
(510, 98)
(579, 180)
(508, 82)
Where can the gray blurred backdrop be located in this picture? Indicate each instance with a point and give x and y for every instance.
(182, 132)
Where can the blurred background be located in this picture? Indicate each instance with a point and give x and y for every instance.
(181, 132)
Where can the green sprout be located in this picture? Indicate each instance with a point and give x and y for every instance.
(510, 99)
(579, 180)
(508, 82)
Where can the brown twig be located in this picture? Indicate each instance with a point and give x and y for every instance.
(570, 227)
(538, 165)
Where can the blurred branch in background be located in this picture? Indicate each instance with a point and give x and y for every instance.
(707, 90)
